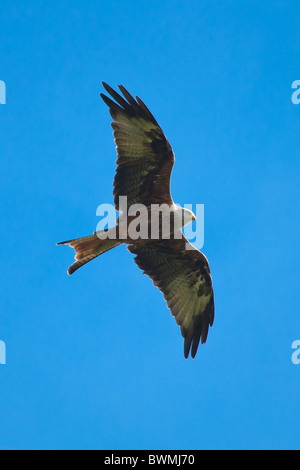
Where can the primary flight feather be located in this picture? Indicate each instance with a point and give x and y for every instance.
(145, 161)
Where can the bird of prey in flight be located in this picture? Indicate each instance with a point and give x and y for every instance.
(144, 165)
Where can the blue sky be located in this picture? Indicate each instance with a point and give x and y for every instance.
(95, 360)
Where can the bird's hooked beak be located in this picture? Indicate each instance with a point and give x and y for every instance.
(194, 217)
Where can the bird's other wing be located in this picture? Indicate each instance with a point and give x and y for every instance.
(144, 156)
(183, 276)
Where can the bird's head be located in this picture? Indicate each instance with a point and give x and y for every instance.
(187, 216)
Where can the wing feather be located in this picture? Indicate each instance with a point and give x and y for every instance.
(144, 156)
(184, 278)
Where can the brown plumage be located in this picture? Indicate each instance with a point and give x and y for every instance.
(145, 157)
(183, 276)
(144, 165)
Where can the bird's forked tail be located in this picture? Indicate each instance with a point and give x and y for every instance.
(88, 248)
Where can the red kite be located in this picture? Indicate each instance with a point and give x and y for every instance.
(145, 161)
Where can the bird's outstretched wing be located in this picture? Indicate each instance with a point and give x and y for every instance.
(183, 276)
(145, 157)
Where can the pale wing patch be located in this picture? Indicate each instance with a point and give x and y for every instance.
(147, 126)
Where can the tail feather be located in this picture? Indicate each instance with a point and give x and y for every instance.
(88, 248)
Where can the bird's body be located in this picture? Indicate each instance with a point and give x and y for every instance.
(144, 165)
